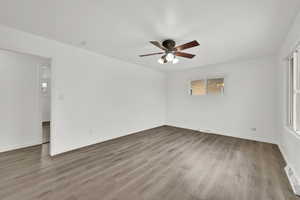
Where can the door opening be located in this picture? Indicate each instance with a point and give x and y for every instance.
(25, 104)
(45, 103)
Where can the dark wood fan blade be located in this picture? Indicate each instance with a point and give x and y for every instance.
(187, 45)
(185, 55)
(151, 54)
(155, 43)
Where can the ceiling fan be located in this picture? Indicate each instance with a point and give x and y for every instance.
(171, 51)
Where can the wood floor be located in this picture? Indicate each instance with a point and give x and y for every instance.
(164, 163)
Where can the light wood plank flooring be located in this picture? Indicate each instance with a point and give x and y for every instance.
(164, 163)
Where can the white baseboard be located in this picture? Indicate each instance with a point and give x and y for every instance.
(290, 172)
(293, 179)
(223, 133)
(20, 146)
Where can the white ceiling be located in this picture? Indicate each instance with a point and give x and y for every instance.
(226, 29)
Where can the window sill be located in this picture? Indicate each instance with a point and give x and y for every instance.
(295, 133)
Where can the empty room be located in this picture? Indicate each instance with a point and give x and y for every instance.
(150, 100)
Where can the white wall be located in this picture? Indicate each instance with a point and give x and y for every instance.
(19, 102)
(94, 97)
(249, 100)
(289, 141)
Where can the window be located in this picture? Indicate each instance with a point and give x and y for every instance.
(215, 86)
(198, 87)
(293, 107)
(207, 86)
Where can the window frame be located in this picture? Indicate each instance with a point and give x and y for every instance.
(293, 90)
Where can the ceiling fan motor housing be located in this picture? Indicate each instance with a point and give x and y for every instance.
(169, 44)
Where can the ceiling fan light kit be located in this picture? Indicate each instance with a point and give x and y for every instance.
(171, 51)
(163, 59)
(175, 60)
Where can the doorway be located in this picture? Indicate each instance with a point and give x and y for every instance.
(45, 103)
(25, 100)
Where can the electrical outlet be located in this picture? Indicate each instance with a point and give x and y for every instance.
(253, 129)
